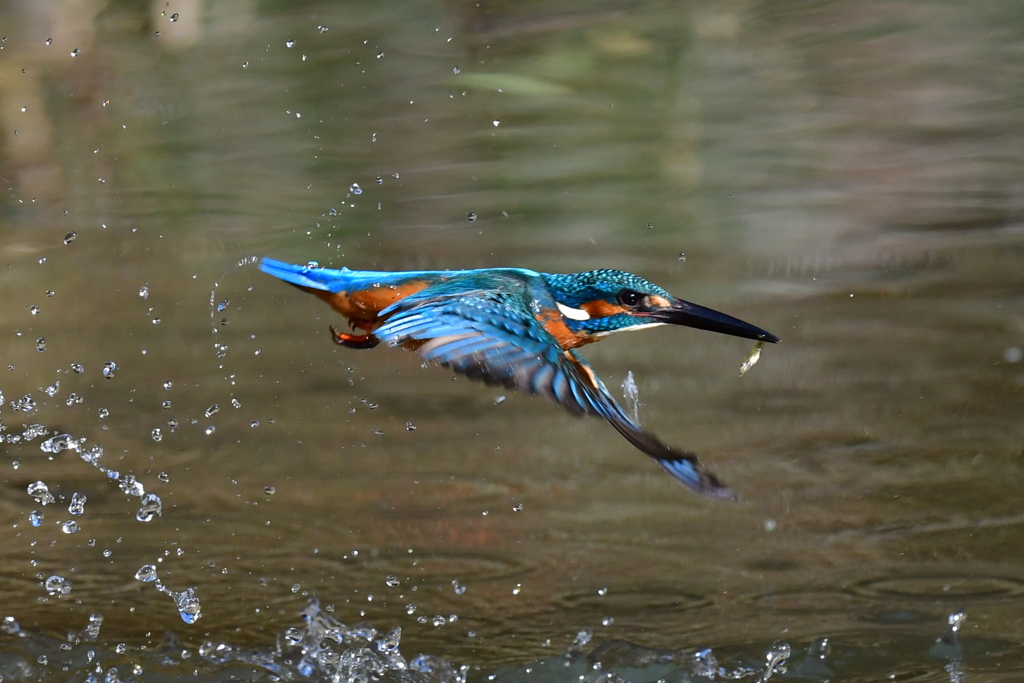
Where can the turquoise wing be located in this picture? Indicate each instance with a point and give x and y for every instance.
(491, 335)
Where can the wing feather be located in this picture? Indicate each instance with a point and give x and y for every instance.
(493, 337)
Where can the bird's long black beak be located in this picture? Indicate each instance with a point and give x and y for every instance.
(691, 315)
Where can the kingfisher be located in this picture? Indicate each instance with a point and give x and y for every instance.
(520, 329)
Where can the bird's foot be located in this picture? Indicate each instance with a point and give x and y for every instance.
(353, 341)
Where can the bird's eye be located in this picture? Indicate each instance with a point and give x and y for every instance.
(630, 298)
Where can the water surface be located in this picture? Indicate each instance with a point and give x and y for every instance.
(848, 178)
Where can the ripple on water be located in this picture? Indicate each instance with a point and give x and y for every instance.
(940, 587)
(626, 601)
(446, 567)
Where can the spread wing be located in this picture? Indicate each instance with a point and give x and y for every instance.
(493, 336)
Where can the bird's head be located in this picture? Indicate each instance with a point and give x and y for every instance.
(601, 302)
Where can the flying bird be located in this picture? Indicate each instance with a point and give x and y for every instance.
(520, 329)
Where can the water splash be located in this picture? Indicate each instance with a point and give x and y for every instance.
(186, 601)
(632, 395)
(151, 507)
(948, 646)
(774, 661)
(77, 504)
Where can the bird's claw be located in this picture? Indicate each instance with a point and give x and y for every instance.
(353, 341)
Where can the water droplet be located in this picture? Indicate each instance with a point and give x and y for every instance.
(222, 306)
(70, 237)
(157, 434)
(74, 53)
(93, 454)
(775, 658)
(602, 592)
(33, 431)
(410, 608)
(35, 518)
(212, 410)
(146, 573)
(167, 385)
(471, 217)
(438, 621)
(456, 71)
(174, 17)
(77, 505)
(322, 29)
(40, 344)
(92, 629)
(608, 621)
(163, 477)
(57, 585)
(269, 490)
(254, 424)
(52, 390)
(391, 641)
(355, 189)
(34, 310)
(129, 484)
(235, 403)
(77, 368)
(49, 41)
(459, 588)
(518, 507)
(499, 400)
(166, 405)
(682, 257)
(210, 430)
(9, 626)
(144, 292)
(103, 413)
(392, 581)
(121, 648)
(41, 492)
(25, 404)
(289, 43)
(518, 589)
(410, 427)
(69, 527)
(956, 621)
(108, 369)
(151, 507)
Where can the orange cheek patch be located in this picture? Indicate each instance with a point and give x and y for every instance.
(601, 308)
(552, 321)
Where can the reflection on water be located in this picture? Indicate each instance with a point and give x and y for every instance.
(846, 176)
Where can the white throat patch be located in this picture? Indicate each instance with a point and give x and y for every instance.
(572, 313)
(634, 328)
